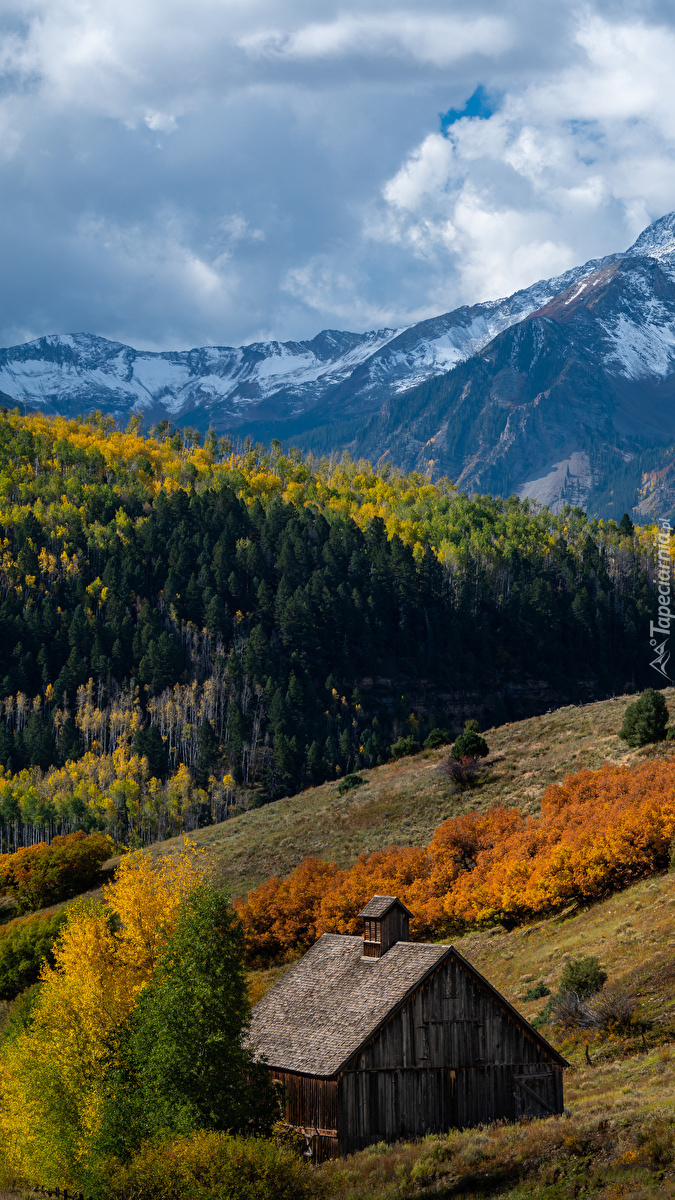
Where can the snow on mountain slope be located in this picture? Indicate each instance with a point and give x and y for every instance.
(552, 392)
(79, 371)
(565, 404)
(336, 372)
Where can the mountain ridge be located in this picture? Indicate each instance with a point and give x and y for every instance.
(562, 391)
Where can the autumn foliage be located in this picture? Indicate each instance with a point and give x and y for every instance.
(599, 831)
(39, 875)
(52, 1071)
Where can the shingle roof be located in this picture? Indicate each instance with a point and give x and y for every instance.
(319, 1014)
(316, 1017)
(379, 905)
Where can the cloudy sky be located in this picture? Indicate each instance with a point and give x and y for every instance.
(181, 172)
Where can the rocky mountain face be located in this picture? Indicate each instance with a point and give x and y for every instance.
(563, 391)
(574, 402)
(290, 386)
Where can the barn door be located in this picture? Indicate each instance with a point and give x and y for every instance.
(535, 1094)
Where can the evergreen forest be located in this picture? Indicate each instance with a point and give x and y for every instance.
(187, 628)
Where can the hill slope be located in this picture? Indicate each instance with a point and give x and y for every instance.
(260, 622)
(402, 802)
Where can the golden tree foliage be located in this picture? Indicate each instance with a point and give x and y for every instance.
(75, 458)
(51, 1071)
(598, 831)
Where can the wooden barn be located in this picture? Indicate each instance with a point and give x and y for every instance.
(377, 1038)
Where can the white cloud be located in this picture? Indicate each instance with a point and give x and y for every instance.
(161, 122)
(237, 229)
(305, 182)
(439, 40)
(321, 285)
(589, 150)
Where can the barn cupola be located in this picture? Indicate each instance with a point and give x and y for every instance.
(385, 922)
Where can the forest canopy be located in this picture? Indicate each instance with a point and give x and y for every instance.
(182, 623)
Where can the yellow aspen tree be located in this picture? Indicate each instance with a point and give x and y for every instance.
(51, 1071)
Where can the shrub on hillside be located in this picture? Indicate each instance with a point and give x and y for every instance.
(24, 946)
(213, 1166)
(615, 1010)
(464, 771)
(349, 782)
(581, 979)
(537, 991)
(470, 743)
(584, 976)
(40, 875)
(437, 737)
(599, 831)
(645, 721)
(405, 746)
(567, 1010)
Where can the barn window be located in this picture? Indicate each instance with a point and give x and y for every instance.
(372, 937)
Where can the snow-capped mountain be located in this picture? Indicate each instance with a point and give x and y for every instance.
(214, 384)
(264, 382)
(575, 402)
(563, 391)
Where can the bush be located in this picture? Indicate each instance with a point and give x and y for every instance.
(470, 743)
(584, 976)
(40, 875)
(568, 1010)
(349, 782)
(615, 1010)
(538, 991)
(213, 1166)
(24, 946)
(465, 771)
(437, 737)
(405, 746)
(645, 721)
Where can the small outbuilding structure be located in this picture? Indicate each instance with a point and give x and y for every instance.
(377, 1038)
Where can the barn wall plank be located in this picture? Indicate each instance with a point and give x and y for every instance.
(447, 1058)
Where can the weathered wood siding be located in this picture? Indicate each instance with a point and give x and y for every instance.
(452, 1056)
(312, 1107)
(395, 926)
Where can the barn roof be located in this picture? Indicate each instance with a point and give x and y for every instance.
(319, 1015)
(379, 906)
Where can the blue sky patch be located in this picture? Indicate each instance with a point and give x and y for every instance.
(479, 104)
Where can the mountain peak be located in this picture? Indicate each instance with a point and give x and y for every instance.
(657, 240)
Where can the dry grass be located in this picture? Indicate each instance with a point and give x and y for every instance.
(617, 1139)
(260, 982)
(401, 803)
(632, 933)
(629, 1155)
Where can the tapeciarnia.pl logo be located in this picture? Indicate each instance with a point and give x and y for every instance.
(659, 631)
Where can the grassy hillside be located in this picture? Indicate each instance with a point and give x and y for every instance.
(617, 1138)
(403, 802)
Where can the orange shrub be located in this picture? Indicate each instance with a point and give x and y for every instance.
(44, 874)
(280, 914)
(598, 831)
